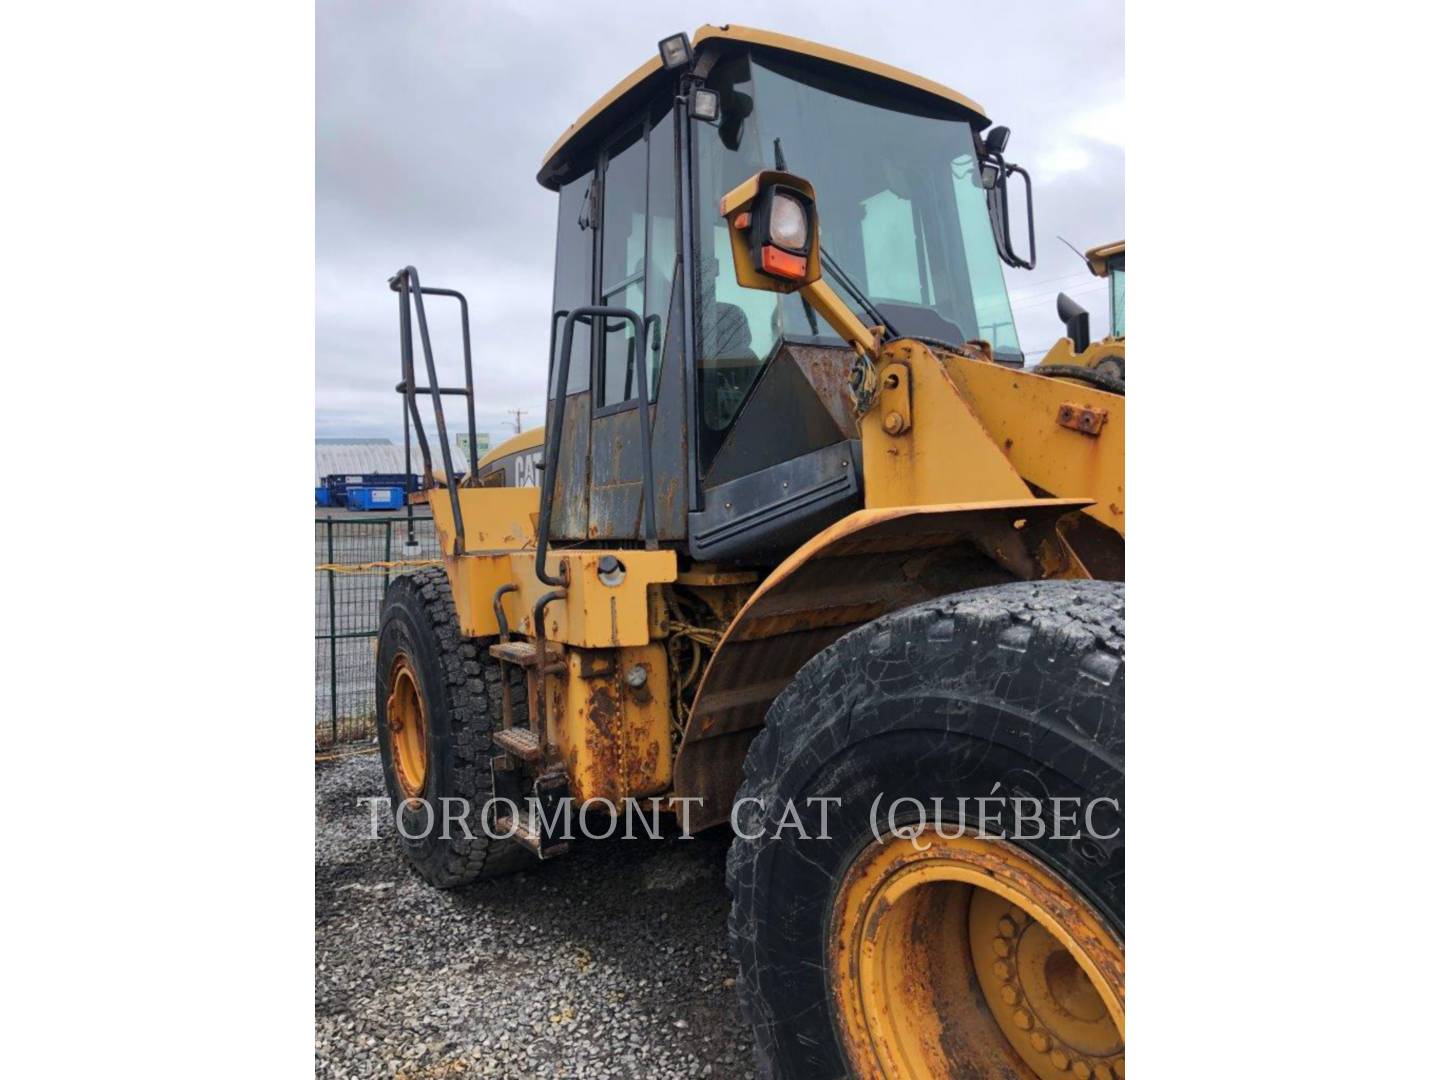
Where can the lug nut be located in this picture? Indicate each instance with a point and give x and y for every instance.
(1040, 1041)
(1059, 1059)
(1023, 1020)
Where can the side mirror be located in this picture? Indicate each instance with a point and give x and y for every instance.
(1076, 320)
(774, 232)
(995, 173)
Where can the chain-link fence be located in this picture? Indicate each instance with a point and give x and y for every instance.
(356, 555)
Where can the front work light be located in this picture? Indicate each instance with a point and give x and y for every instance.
(705, 104)
(780, 231)
(675, 52)
(789, 224)
(774, 226)
(774, 232)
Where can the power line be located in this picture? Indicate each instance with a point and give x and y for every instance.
(1076, 276)
(1031, 302)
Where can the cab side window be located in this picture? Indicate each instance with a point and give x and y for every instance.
(574, 273)
(637, 253)
(622, 265)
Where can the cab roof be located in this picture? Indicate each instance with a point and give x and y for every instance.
(1099, 257)
(598, 120)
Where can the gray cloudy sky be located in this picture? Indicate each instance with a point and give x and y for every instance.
(432, 116)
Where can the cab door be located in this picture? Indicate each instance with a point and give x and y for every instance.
(635, 269)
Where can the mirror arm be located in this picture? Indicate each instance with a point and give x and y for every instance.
(1029, 219)
(997, 200)
(828, 305)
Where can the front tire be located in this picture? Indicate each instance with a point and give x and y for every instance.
(976, 956)
(437, 698)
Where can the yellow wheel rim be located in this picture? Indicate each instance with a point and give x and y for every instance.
(405, 713)
(969, 958)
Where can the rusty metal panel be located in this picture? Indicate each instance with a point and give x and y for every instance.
(613, 736)
(670, 432)
(616, 457)
(827, 370)
(570, 515)
(871, 563)
(782, 419)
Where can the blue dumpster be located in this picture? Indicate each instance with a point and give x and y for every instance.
(385, 497)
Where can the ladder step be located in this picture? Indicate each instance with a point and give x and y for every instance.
(518, 741)
(514, 652)
(523, 653)
(527, 835)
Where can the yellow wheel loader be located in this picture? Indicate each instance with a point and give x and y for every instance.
(1105, 357)
(809, 556)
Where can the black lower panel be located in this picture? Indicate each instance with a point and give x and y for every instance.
(767, 514)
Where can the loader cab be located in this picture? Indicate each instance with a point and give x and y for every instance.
(753, 443)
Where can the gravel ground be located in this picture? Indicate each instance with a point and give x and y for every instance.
(607, 962)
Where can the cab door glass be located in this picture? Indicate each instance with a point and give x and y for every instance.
(660, 260)
(622, 265)
(574, 272)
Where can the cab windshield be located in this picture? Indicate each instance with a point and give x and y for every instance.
(901, 211)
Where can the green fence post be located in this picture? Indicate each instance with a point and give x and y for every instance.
(389, 528)
(334, 648)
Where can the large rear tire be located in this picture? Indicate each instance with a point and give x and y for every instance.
(976, 956)
(437, 699)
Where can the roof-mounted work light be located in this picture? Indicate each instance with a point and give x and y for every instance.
(675, 51)
(704, 104)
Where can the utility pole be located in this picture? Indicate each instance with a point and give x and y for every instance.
(518, 413)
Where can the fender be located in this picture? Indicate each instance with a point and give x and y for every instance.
(869, 563)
